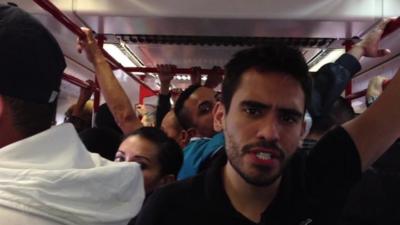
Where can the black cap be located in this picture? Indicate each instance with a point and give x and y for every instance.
(31, 61)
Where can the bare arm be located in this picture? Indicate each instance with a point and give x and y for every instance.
(115, 96)
(214, 78)
(195, 77)
(331, 79)
(369, 46)
(165, 75)
(84, 96)
(374, 131)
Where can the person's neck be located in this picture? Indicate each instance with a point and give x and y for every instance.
(250, 200)
(204, 134)
(9, 137)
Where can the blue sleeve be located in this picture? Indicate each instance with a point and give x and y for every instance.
(197, 152)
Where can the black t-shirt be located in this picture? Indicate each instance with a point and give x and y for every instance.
(312, 191)
(375, 199)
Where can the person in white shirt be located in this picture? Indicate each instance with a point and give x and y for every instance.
(46, 174)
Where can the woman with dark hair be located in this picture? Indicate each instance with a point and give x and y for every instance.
(160, 157)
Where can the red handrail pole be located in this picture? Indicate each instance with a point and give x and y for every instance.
(117, 65)
(73, 80)
(52, 9)
(177, 70)
(76, 81)
(385, 84)
(364, 92)
(391, 27)
(356, 95)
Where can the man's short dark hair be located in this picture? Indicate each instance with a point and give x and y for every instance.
(278, 58)
(170, 154)
(31, 118)
(182, 114)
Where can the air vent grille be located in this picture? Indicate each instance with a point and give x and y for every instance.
(226, 41)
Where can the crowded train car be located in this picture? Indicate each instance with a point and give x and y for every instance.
(199, 112)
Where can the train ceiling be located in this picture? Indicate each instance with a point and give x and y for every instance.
(205, 33)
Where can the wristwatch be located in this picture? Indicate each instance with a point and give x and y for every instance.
(370, 99)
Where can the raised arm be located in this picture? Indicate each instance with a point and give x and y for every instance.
(331, 79)
(164, 105)
(78, 116)
(115, 96)
(374, 131)
(214, 78)
(84, 96)
(195, 76)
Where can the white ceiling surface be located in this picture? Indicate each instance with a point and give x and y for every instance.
(256, 18)
(307, 18)
(302, 18)
(264, 9)
(270, 18)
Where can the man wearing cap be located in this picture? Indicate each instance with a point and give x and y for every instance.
(46, 175)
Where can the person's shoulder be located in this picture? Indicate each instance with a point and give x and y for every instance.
(196, 146)
(179, 186)
(174, 202)
(337, 139)
(298, 165)
(213, 144)
(217, 140)
(181, 190)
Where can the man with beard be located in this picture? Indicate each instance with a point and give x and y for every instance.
(262, 179)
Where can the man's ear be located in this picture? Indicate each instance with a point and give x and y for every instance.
(219, 116)
(306, 126)
(191, 132)
(184, 137)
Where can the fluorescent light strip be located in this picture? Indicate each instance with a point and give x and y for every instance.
(187, 77)
(139, 73)
(131, 55)
(118, 55)
(182, 77)
(330, 57)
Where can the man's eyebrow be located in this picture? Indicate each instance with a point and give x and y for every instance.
(293, 112)
(204, 103)
(253, 104)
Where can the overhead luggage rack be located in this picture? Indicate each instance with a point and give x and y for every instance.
(226, 40)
